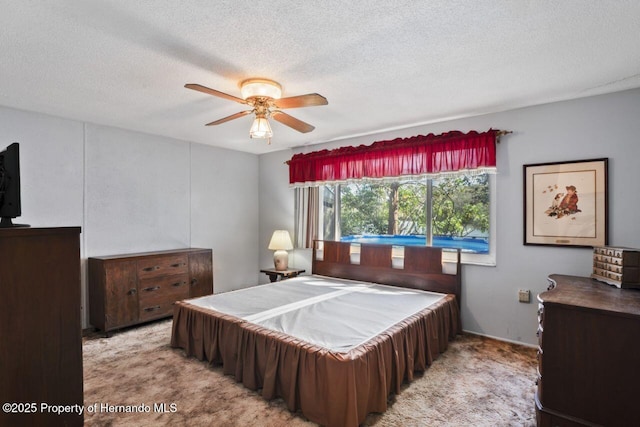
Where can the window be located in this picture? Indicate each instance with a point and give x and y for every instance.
(453, 211)
(431, 189)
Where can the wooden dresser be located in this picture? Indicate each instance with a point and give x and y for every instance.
(40, 326)
(589, 354)
(125, 290)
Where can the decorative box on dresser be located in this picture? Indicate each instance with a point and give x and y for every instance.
(128, 289)
(589, 354)
(40, 326)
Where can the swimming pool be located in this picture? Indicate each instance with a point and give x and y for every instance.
(476, 245)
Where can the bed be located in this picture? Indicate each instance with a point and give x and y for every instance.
(398, 306)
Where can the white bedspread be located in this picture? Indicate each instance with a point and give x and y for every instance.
(336, 314)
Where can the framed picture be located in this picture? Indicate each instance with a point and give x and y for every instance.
(565, 203)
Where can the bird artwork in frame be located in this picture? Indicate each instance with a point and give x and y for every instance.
(566, 203)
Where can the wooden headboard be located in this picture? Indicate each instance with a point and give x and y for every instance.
(422, 266)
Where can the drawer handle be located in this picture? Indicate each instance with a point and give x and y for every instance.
(151, 288)
(154, 308)
(178, 284)
(194, 282)
(155, 267)
(179, 264)
(132, 291)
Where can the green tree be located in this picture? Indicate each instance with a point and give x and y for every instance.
(460, 205)
(393, 208)
(363, 209)
(411, 208)
(328, 221)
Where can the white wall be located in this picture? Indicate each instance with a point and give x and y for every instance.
(595, 127)
(224, 213)
(137, 192)
(133, 192)
(276, 206)
(52, 177)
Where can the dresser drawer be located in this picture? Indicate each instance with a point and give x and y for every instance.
(540, 314)
(539, 334)
(156, 311)
(157, 296)
(539, 373)
(539, 384)
(168, 288)
(162, 265)
(539, 355)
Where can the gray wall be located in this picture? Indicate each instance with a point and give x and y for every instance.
(133, 192)
(602, 126)
(136, 192)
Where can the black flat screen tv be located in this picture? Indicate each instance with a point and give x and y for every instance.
(10, 206)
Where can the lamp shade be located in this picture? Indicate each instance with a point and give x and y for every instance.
(260, 128)
(281, 240)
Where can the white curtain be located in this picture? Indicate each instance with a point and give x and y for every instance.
(306, 216)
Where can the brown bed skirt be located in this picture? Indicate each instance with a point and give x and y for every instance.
(329, 388)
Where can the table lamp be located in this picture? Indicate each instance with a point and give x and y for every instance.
(281, 243)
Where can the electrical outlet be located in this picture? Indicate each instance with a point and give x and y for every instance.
(524, 295)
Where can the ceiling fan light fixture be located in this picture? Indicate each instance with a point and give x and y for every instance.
(260, 128)
(264, 98)
(252, 88)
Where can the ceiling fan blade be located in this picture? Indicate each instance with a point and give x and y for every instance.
(204, 89)
(231, 117)
(292, 122)
(308, 100)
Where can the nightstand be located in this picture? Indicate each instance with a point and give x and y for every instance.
(282, 275)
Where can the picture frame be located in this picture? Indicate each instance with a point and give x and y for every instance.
(566, 203)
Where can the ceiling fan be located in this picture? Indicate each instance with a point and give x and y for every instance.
(263, 96)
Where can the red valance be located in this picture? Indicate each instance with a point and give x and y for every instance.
(429, 155)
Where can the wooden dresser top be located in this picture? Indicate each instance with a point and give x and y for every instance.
(591, 294)
(151, 253)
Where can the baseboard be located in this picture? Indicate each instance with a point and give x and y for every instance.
(524, 344)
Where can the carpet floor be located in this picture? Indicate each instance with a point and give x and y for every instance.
(477, 382)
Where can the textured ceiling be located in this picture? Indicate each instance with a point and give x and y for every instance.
(381, 64)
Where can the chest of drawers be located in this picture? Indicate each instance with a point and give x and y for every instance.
(40, 328)
(619, 267)
(125, 290)
(588, 371)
